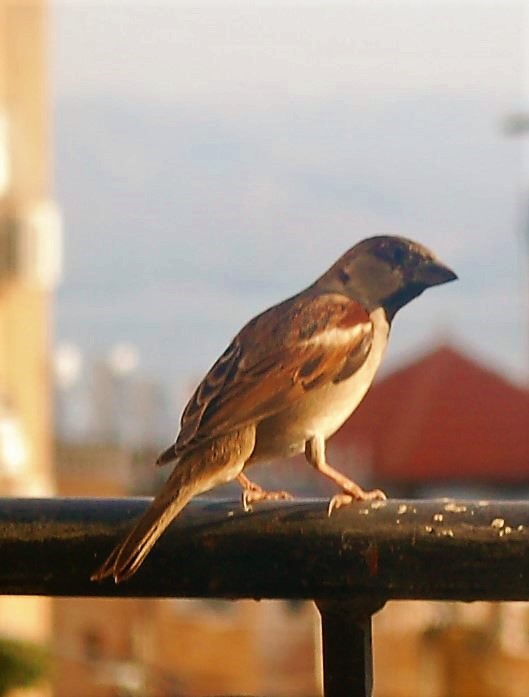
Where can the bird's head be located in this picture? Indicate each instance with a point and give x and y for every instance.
(385, 272)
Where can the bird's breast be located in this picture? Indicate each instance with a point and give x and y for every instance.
(322, 410)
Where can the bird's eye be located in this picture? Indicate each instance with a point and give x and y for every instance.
(398, 255)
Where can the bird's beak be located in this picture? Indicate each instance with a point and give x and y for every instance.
(434, 273)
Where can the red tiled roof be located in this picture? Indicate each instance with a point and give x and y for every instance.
(442, 418)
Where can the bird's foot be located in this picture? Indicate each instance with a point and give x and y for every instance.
(255, 493)
(252, 493)
(354, 494)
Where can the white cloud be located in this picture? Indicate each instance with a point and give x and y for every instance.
(247, 53)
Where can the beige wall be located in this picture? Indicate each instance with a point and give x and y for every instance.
(24, 306)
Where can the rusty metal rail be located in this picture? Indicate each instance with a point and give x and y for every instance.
(349, 564)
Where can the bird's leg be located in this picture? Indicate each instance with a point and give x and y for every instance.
(252, 492)
(315, 454)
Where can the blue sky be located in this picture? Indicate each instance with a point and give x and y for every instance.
(211, 160)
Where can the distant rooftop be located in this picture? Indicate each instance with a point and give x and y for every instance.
(443, 418)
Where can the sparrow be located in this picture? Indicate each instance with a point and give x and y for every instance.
(288, 381)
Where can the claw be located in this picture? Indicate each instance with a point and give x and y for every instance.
(253, 495)
(345, 499)
(247, 506)
(339, 500)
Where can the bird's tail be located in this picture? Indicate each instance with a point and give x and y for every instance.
(195, 472)
(127, 557)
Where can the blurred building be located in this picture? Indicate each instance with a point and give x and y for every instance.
(29, 239)
(426, 649)
(109, 399)
(29, 266)
(128, 409)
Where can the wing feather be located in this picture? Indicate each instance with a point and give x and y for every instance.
(277, 357)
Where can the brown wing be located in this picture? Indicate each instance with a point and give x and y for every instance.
(288, 350)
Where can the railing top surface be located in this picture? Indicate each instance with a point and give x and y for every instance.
(417, 549)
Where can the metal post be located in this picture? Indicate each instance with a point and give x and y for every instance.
(347, 650)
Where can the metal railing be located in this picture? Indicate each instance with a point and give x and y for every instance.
(350, 564)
